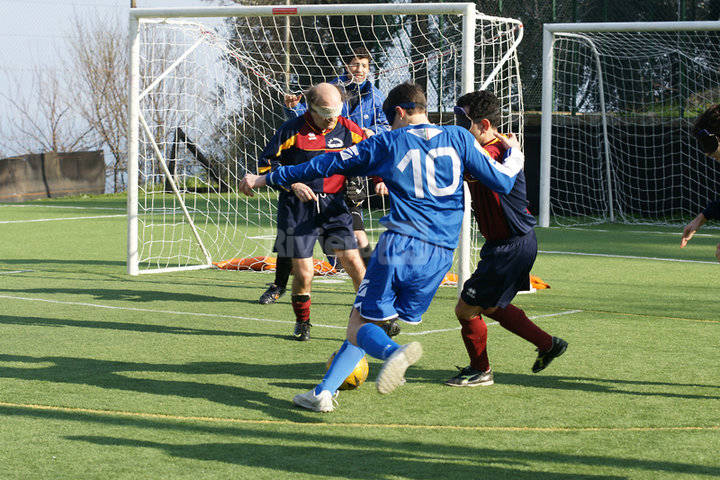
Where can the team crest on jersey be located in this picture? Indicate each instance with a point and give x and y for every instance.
(425, 133)
(311, 136)
(335, 143)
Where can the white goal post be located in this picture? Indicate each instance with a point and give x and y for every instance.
(206, 94)
(618, 104)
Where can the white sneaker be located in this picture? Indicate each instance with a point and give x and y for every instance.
(322, 402)
(392, 373)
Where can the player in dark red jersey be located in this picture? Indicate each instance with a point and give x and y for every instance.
(707, 131)
(317, 209)
(506, 257)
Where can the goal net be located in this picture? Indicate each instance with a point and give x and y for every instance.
(207, 96)
(619, 101)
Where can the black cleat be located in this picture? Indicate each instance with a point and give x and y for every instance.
(302, 331)
(469, 377)
(544, 358)
(272, 294)
(391, 327)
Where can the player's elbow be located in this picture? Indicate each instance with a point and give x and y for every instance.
(506, 186)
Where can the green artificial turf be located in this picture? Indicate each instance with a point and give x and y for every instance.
(184, 375)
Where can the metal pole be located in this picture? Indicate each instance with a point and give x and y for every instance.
(467, 86)
(132, 160)
(546, 128)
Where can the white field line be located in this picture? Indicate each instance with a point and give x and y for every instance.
(150, 310)
(14, 271)
(66, 207)
(567, 312)
(59, 219)
(608, 255)
(651, 232)
(236, 317)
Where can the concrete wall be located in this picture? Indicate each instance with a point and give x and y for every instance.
(48, 175)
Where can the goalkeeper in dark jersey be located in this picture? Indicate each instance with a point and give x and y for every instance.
(707, 131)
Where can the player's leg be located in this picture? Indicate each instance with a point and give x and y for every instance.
(353, 265)
(277, 289)
(474, 335)
(504, 271)
(415, 270)
(363, 242)
(301, 287)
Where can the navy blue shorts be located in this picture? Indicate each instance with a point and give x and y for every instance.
(503, 271)
(300, 224)
(401, 278)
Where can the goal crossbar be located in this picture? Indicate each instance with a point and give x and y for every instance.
(588, 33)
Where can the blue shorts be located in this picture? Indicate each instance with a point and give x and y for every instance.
(503, 271)
(300, 224)
(401, 278)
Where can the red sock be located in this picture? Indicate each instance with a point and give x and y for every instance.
(513, 319)
(301, 307)
(474, 334)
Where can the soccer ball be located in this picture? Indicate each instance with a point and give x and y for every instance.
(356, 378)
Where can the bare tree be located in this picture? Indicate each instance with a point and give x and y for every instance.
(40, 117)
(98, 64)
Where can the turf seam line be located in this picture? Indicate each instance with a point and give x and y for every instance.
(59, 219)
(481, 428)
(635, 257)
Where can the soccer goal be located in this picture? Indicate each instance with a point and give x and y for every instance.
(207, 88)
(618, 103)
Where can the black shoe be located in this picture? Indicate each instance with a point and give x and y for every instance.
(272, 294)
(391, 327)
(302, 331)
(469, 377)
(544, 358)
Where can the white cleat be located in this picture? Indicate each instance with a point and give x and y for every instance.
(392, 373)
(323, 402)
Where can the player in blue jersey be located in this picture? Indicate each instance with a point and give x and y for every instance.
(707, 131)
(422, 166)
(506, 257)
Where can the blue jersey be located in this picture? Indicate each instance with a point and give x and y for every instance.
(423, 167)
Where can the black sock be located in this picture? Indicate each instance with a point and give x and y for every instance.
(282, 271)
(366, 253)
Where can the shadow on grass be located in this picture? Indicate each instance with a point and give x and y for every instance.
(130, 327)
(294, 449)
(150, 328)
(583, 384)
(116, 375)
(127, 295)
(361, 459)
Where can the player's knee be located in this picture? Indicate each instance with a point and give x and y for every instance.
(463, 311)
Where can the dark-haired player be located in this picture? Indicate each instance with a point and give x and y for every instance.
(706, 130)
(422, 166)
(506, 257)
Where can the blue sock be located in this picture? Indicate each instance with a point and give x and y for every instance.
(341, 367)
(375, 341)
